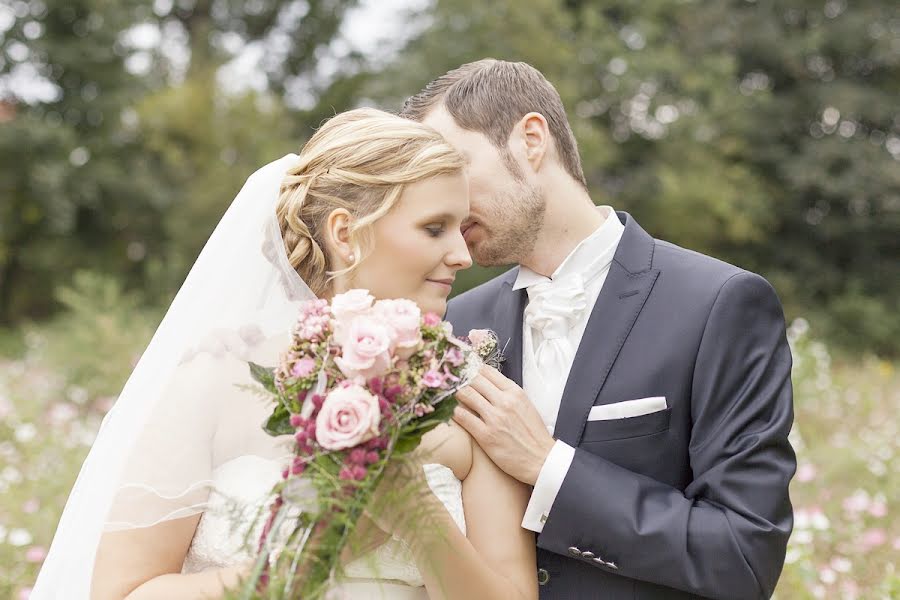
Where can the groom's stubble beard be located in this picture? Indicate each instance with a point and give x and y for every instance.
(516, 219)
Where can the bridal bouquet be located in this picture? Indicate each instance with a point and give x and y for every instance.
(360, 385)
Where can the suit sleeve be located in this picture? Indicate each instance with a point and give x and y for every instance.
(726, 534)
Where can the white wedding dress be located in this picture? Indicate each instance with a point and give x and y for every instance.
(242, 487)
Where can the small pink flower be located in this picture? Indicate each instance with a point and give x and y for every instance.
(365, 349)
(432, 379)
(403, 316)
(478, 336)
(24, 593)
(359, 472)
(349, 416)
(421, 409)
(357, 456)
(431, 319)
(371, 457)
(36, 554)
(455, 357)
(303, 368)
(31, 506)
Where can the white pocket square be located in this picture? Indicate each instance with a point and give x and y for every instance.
(629, 408)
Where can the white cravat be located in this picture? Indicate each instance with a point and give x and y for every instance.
(553, 324)
(554, 308)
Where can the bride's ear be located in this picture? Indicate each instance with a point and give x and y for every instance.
(337, 231)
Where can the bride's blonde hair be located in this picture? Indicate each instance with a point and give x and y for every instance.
(360, 161)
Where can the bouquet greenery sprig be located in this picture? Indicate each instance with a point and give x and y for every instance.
(360, 385)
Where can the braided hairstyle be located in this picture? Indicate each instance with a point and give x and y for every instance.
(359, 161)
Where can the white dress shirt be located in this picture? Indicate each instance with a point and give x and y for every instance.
(590, 261)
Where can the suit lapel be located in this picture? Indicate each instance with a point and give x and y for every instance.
(627, 286)
(508, 320)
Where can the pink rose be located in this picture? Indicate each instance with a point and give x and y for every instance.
(303, 368)
(431, 319)
(349, 416)
(365, 348)
(403, 316)
(351, 304)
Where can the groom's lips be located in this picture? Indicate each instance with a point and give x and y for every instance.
(467, 229)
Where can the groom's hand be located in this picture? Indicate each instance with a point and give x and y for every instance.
(505, 424)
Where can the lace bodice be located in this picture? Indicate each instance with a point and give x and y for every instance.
(242, 488)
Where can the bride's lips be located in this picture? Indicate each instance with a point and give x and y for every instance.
(447, 284)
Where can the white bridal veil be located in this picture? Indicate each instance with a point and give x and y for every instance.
(182, 412)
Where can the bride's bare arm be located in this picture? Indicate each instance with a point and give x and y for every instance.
(496, 557)
(145, 563)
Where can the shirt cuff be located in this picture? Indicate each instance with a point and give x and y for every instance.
(549, 480)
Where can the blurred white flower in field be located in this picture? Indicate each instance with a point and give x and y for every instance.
(11, 475)
(19, 537)
(25, 432)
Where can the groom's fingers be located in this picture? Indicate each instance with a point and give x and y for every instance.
(469, 421)
(483, 386)
(496, 377)
(472, 399)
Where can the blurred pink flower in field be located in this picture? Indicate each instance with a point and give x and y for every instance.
(897, 543)
(24, 593)
(872, 538)
(36, 554)
(878, 508)
(61, 413)
(858, 502)
(841, 564)
(827, 576)
(31, 506)
(849, 590)
(806, 472)
(104, 405)
(6, 408)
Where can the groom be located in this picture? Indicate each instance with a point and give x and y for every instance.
(646, 392)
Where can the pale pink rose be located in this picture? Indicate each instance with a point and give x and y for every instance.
(303, 368)
(346, 306)
(404, 317)
(349, 416)
(432, 319)
(365, 349)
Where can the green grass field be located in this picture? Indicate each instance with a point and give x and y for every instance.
(55, 388)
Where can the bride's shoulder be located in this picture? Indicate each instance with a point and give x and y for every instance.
(450, 445)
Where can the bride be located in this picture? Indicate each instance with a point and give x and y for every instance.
(166, 503)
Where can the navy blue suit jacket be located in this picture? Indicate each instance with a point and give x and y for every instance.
(690, 501)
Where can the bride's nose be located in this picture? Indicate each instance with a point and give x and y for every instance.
(458, 256)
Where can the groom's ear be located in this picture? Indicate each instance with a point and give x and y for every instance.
(535, 137)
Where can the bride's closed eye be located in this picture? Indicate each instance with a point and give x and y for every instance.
(435, 230)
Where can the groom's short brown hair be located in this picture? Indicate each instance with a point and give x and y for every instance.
(490, 96)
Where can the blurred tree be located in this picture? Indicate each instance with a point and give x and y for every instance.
(759, 132)
(126, 135)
